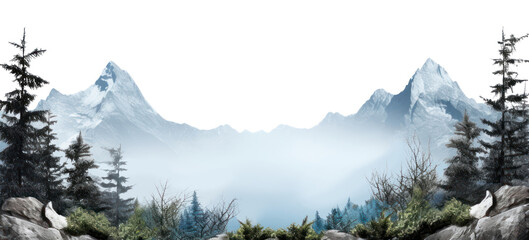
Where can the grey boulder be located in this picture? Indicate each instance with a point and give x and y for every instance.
(54, 219)
(29, 209)
(482, 209)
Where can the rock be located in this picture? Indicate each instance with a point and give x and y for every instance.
(16, 228)
(336, 235)
(482, 209)
(29, 209)
(452, 233)
(507, 225)
(220, 237)
(508, 197)
(27, 218)
(54, 219)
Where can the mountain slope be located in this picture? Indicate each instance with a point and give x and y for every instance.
(271, 173)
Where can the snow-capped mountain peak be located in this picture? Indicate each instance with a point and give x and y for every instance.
(375, 107)
(108, 77)
(432, 79)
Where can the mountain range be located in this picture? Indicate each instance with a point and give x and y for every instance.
(280, 176)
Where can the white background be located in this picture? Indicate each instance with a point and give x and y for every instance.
(256, 64)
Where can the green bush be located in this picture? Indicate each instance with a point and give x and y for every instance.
(257, 232)
(82, 222)
(376, 229)
(249, 232)
(135, 228)
(418, 220)
(301, 232)
(455, 212)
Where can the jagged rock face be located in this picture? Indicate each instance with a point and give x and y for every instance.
(511, 224)
(16, 228)
(482, 209)
(508, 219)
(508, 197)
(29, 219)
(29, 209)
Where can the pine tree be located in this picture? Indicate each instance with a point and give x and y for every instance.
(499, 166)
(119, 209)
(196, 219)
(334, 219)
(18, 176)
(83, 190)
(319, 223)
(51, 167)
(462, 172)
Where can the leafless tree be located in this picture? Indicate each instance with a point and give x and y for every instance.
(217, 218)
(396, 190)
(165, 212)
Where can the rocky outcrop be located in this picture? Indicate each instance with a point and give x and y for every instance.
(220, 237)
(483, 208)
(507, 219)
(508, 197)
(29, 209)
(336, 235)
(29, 219)
(54, 219)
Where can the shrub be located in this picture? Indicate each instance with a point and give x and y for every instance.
(418, 217)
(376, 229)
(418, 220)
(82, 222)
(249, 232)
(293, 232)
(301, 232)
(455, 212)
(135, 228)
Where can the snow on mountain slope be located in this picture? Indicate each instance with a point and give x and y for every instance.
(375, 107)
(431, 95)
(271, 173)
(113, 100)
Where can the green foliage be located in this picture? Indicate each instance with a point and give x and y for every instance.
(82, 222)
(83, 190)
(301, 232)
(417, 217)
(293, 232)
(455, 212)
(462, 172)
(376, 229)
(418, 220)
(249, 232)
(135, 228)
(20, 175)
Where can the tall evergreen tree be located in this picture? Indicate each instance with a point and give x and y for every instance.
(499, 166)
(334, 219)
(196, 218)
(83, 190)
(319, 223)
(462, 172)
(50, 166)
(119, 209)
(18, 176)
